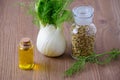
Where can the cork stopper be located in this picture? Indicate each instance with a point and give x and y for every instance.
(25, 42)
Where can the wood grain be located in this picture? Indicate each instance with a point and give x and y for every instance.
(16, 24)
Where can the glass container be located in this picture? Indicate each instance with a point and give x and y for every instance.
(26, 55)
(83, 31)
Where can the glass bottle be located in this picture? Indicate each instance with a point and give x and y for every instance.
(26, 54)
(83, 31)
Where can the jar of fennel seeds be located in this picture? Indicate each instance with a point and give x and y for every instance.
(83, 31)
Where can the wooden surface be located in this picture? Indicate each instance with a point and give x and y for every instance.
(16, 24)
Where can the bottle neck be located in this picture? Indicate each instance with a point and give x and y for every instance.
(25, 43)
(79, 21)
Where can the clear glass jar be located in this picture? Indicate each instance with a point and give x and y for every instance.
(83, 31)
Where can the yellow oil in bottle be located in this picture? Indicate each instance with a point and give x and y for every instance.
(26, 54)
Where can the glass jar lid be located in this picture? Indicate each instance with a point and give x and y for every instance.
(83, 15)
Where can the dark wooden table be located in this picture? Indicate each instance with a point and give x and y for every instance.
(16, 24)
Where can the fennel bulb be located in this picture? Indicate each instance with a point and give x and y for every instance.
(51, 41)
(50, 16)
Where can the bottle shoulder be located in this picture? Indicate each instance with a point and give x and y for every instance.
(89, 28)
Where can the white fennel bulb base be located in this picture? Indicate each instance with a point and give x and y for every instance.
(51, 41)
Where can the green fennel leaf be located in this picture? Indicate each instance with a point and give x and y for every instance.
(93, 58)
(76, 66)
(53, 11)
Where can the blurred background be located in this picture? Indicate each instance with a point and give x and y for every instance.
(16, 23)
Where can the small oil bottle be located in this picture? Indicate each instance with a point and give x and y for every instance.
(25, 51)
